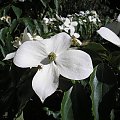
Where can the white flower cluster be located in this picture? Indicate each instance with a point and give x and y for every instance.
(78, 25)
(88, 16)
(49, 21)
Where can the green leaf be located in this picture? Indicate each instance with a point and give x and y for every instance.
(17, 11)
(114, 26)
(102, 83)
(37, 26)
(56, 2)
(64, 83)
(2, 51)
(20, 117)
(29, 24)
(6, 10)
(95, 47)
(24, 87)
(115, 59)
(66, 106)
(43, 2)
(81, 102)
(2, 63)
(13, 25)
(3, 33)
(8, 42)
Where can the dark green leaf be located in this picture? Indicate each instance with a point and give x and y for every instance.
(81, 103)
(64, 83)
(114, 26)
(6, 10)
(43, 2)
(95, 47)
(66, 106)
(8, 41)
(20, 117)
(3, 34)
(102, 83)
(29, 24)
(56, 2)
(115, 59)
(37, 26)
(17, 11)
(2, 51)
(13, 25)
(24, 87)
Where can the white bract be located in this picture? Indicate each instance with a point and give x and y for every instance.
(69, 26)
(109, 35)
(20, 40)
(118, 18)
(55, 58)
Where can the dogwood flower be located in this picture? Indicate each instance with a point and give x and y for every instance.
(55, 58)
(20, 40)
(109, 35)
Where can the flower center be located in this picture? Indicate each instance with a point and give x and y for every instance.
(52, 56)
(74, 41)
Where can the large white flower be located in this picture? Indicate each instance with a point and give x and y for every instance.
(55, 58)
(109, 35)
(26, 36)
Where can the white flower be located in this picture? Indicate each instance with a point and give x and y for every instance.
(118, 18)
(70, 26)
(25, 37)
(109, 35)
(82, 13)
(55, 58)
(46, 20)
(92, 19)
(68, 23)
(6, 18)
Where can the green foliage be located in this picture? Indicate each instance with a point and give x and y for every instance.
(17, 11)
(66, 106)
(103, 84)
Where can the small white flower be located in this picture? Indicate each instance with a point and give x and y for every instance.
(46, 20)
(69, 23)
(56, 58)
(82, 13)
(6, 18)
(109, 35)
(70, 26)
(118, 18)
